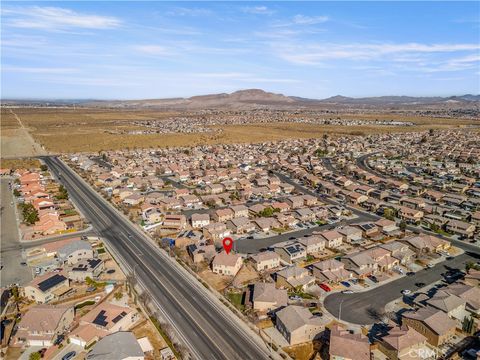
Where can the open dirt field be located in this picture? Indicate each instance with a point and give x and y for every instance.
(69, 130)
(16, 140)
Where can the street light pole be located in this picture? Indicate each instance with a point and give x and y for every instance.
(340, 311)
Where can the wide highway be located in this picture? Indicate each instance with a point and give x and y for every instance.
(206, 327)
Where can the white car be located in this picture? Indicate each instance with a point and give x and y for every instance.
(406, 292)
(347, 292)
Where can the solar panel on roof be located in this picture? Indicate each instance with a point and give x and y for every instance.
(100, 319)
(119, 317)
(94, 262)
(51, 282)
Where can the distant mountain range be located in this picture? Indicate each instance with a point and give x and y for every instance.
(256, 98)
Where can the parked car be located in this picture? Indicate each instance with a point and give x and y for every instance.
(70, 355)
(354, 281)
(429, 266)
(410, 273)
(295, 298)
(345, 283)
(406, 292)
(373, 278)
(42, 352)
(449, 258)
(347, 292)
(59, 340)
(23, 263)
(420, 284)
(325, 287)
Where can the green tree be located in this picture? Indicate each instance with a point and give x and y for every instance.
(389, 214)
(402, 225)
(471, 265)
(62, 193)
(29, 213)
(34, 356)
(16, 192)
(267, 212)
(118, 295)
(43, 167)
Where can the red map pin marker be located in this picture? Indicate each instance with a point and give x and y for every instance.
(227, 244)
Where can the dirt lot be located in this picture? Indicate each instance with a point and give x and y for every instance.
(145, 328)
(218, 282)
(19, 163)
(16, 141)
(245, 276)
(68, 130)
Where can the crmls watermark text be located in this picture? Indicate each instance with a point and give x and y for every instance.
(425, 353)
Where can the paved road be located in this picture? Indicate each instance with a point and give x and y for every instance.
(26, 244)
(252, 246)
(207, 328)
(361, 308)
(11, 249)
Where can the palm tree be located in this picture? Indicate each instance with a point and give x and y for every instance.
(17, 298)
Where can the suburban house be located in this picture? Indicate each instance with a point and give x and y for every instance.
(432, 323)
(334, 238)
(110, 317)
(239, 211)
(347, 346)
(222, 215)
(267, 297)
(388, 227)
(47, 287)
(200, 220)
(73, 252)
(240, 225)
(472, 277)
(40, 325)
(331, 270)
(291, 251)
(351, 234)
(227, 264)
(86, 335)
(295, 202)
(200, 253)
(451, 304)
(305, 215)
(470, 294)
(266, 260)
(412, 216)
(298, 325)
(90, 268)
(177, 222)
(427, 243)
(367, 262)
(461, 228)
(313, 244)
(401, 342)
(294, 277)
(399, 251)
(121, 345)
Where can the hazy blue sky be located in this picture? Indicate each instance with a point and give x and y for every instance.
(311, 49)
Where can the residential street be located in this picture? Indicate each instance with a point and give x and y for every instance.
(11, 249)
(363, 307)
